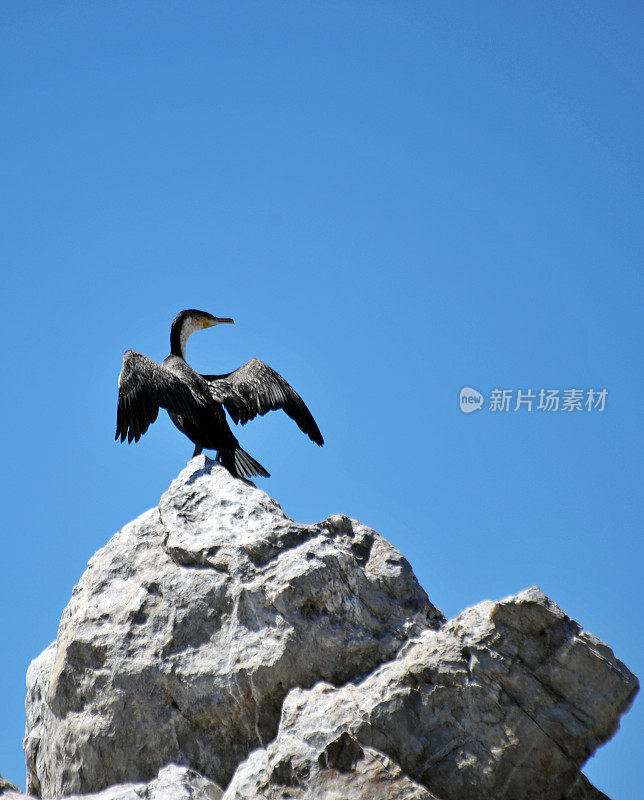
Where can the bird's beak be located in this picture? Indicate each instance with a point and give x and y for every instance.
(208, 323)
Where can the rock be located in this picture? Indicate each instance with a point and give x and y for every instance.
(344, 769)
(505, 701)
(582, 789)
(189, 627)
(172, 783)
(303, 662)
(9, 791)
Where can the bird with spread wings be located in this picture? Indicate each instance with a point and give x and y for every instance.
(196, 403)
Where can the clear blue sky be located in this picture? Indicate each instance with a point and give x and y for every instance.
(393, 200)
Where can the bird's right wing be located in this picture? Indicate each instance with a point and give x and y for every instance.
(255, 388)
(144, 387)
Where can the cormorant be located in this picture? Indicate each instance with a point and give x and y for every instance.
(195, 403)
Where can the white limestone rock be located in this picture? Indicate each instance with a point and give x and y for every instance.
(172, 783)
(9, 791)
(507, 700)
(189, 627)
(343, 769)
(303, 662)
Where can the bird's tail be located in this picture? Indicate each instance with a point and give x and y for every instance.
(240, 463)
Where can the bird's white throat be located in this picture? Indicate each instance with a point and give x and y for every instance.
(189, 326)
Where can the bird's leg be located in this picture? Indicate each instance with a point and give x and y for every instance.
(198, 450)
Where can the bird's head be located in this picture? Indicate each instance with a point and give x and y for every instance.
(186, 323)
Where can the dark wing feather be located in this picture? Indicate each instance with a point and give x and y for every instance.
(255, 389)
(144, 387)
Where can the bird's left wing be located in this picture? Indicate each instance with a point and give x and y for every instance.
(256, 389)
(144, 387)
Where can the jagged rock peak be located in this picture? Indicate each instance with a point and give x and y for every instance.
(188, 629)
(273, 660)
